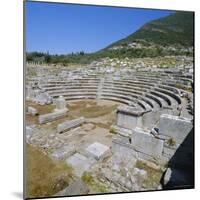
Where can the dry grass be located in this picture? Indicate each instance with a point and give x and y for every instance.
(42, 109)
(45, 177)
(153, 176)
(90, 109)
(94, 185)
(87, 109)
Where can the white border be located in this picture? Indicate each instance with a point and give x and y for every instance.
(11, 100)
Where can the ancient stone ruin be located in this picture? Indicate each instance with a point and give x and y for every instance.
(152, 123)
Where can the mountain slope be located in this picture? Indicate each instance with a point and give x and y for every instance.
(176, 28)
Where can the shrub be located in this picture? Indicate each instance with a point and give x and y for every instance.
(171, 142)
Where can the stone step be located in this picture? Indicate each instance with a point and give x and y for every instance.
(66, 126)
(52, 116)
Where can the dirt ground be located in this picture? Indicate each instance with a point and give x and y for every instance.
(101, 113)
(99, 117)
(40, 181)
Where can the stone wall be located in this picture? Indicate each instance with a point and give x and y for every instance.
(161, 145)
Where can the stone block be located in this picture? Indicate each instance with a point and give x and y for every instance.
(175, 127)
(129, 117)
(98, 150)
(150, 119)
(80, 163)
(66, 126)
(52, 116)
(60, 103)
(29, 131)
(32, 111)
(78, 187)
(144, 142)
(121, 147)
(63, 152)
(169, 151)
(42, 98)
(121, 131)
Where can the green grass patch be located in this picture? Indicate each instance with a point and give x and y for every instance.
(153, 176)
(94, 186)
(171, 142)
(112, 130)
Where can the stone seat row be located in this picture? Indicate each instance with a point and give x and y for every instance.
(133, 95)
(169, 97)
(159, 93)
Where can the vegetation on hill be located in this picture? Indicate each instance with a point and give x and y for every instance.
(175, 29)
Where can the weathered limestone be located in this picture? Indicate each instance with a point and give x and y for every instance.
(98, 150)
(175, 127)
(60, 103)
(123, 147)
(80, 163)
(146, 143)
(29, 131)
(29, 92)
(63, 152)
(78, 187)
(43, 98)
(129, 117)
(66, 126)
(150, 119)
(121, 131)
(52, 116)
(32, 111)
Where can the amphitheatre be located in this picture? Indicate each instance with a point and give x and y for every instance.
(117, 129)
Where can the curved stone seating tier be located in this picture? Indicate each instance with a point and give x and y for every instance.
(124, 88)
(183, 81)
(68, 83)
(164, 97)
(86, 78)
(64, 90)
(175, 82)
(152, 75)
(66, 79)
(125, 84)
(173, 102)
(171, 94)
(79, 97)
(151, 102)
(69, 86)
(139, 95)
(166, 87)
(128, 93)
(74, 94)
(158, 100)
(131, 99)
(150, 90)
(117, 100)
(135, 82)
(183, 77)
(89, 88)
(147, 80)
(159, 75)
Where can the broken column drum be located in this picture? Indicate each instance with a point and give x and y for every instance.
(60, 103)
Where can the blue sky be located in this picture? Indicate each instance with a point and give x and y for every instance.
(66, 28)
